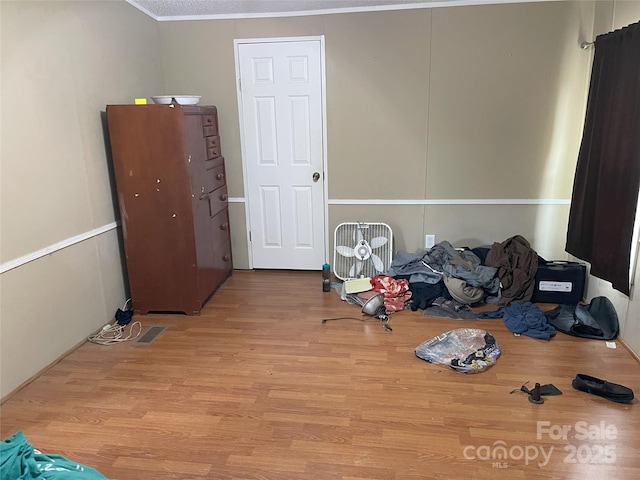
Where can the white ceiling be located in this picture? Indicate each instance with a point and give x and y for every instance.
(164, 10)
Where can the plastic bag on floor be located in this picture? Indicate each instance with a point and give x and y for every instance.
(465, 350)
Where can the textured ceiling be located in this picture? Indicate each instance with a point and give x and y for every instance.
(179, 9)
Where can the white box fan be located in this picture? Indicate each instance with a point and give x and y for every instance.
(362, 250)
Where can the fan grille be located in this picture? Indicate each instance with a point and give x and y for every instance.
(362, 250)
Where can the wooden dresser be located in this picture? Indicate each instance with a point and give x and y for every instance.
(172, 194)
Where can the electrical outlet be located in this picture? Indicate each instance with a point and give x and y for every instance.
(429, 241)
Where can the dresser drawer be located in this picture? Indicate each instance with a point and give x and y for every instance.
(214, 178)
(213, 142)
(213, 152)
(211, 163)
(209, 125)
(213, 147)
(220, 228)
(218, 200)
(222, 260)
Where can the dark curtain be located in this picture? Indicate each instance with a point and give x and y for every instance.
(607, 179)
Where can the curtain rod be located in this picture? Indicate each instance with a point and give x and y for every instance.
(585, 45)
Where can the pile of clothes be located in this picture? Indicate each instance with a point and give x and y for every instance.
(447, 282)
(501, 274)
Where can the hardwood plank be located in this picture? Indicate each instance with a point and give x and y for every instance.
(257, 387)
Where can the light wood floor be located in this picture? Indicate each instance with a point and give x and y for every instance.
(258, 388)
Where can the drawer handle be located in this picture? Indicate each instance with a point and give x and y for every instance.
(226, 258)
(223, 226)
(220, 176)
(223, 197)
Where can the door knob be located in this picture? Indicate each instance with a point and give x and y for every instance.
(316, 176)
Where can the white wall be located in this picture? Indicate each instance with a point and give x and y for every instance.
(477, 104)
(62, 62)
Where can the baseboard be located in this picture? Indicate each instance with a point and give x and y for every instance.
(41, 372)
(629, 349)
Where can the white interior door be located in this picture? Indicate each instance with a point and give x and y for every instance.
(282, 124)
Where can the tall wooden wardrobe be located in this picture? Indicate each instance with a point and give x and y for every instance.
(172, 194)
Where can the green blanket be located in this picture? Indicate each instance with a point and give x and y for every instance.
(20, 461)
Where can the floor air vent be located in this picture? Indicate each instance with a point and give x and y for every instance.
(150, 335)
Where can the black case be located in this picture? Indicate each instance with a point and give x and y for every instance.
(559, 282)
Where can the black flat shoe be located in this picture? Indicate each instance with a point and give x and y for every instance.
(602, 388)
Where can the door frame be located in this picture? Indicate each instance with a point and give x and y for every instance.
(243, 149)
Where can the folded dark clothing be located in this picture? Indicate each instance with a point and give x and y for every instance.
(523, 319)
(423, 294)
(442, 307)
(481, 253)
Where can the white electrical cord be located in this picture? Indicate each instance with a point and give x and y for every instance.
(113, 333)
